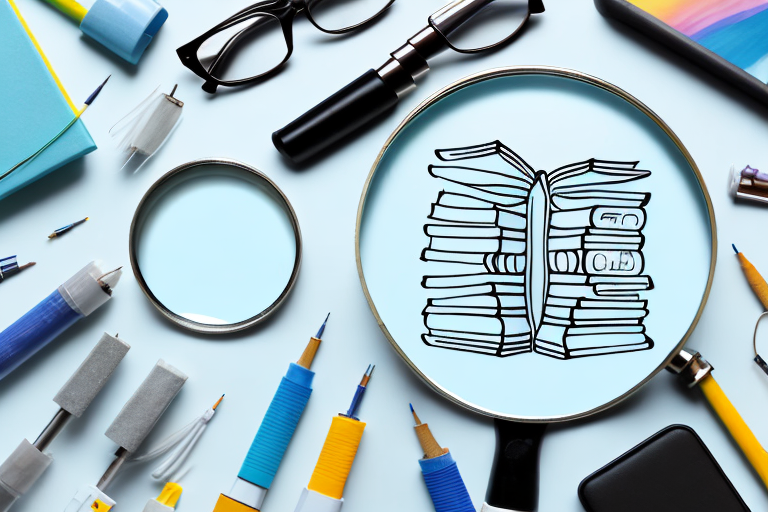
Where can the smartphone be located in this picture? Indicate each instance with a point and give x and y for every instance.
(727, 37)
(672, 471)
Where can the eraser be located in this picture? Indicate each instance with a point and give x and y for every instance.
(20, 471)
(88, 380)
(142, 411)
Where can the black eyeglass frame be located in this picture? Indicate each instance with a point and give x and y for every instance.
(284, 11)
(534, 7)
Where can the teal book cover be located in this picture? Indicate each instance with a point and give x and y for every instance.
(34, 107)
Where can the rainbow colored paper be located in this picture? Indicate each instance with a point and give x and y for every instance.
(737, 30)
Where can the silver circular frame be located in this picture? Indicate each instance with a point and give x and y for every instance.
(554, 72)
(185, 322)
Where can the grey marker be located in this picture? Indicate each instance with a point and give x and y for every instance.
(140, 414)
(28, 462)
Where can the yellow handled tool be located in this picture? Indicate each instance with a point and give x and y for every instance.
(693, 370)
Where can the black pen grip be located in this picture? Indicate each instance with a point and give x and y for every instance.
(345, 112)
(514, 482)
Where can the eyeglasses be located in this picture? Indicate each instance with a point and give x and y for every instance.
(253, 44)
(473, 26)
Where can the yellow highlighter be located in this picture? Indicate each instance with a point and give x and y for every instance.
(693, 370)
(325, 492)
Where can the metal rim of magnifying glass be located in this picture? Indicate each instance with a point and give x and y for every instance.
(185, 322)
(553, 72)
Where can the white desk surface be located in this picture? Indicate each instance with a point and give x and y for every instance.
(716, 123)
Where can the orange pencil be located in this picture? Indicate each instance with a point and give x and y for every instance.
(755, 280)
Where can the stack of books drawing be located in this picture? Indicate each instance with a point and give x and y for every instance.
(549, 262)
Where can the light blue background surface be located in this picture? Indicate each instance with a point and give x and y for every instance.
(716, 123)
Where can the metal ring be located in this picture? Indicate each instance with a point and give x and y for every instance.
(561, 73)
(185, 322)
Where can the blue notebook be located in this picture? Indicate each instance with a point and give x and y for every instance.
(34, 107)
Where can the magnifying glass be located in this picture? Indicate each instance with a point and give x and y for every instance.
(215, 246)
(536, 244)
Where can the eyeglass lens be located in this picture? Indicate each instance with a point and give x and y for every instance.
(335, 15)
(247, 49)
(492, 24)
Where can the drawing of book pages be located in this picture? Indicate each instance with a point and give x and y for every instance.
(542, 261)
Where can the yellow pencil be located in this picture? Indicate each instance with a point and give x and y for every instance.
(695, 370)
(755, 280)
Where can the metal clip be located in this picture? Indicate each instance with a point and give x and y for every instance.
(691, 368)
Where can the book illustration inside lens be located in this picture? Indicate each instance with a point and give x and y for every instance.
(514, 243)
(215, 246)
(248, 48)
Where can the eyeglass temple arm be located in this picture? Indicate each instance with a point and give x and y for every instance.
(452, 16)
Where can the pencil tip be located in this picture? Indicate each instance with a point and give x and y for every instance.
(735, 249)
(415, 416)
(320, 332)
(97, 91)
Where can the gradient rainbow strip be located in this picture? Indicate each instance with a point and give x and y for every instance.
(737, 30)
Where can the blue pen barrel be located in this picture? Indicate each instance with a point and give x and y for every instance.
(278, 426)
(445, 485)
(35, 330)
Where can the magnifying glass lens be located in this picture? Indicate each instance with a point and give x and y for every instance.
(215, 245)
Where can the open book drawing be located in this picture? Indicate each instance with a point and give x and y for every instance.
(525, 260)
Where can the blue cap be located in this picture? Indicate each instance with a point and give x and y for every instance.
(124, 26)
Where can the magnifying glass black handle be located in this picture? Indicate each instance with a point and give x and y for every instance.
(337, 117)
(514, 482)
